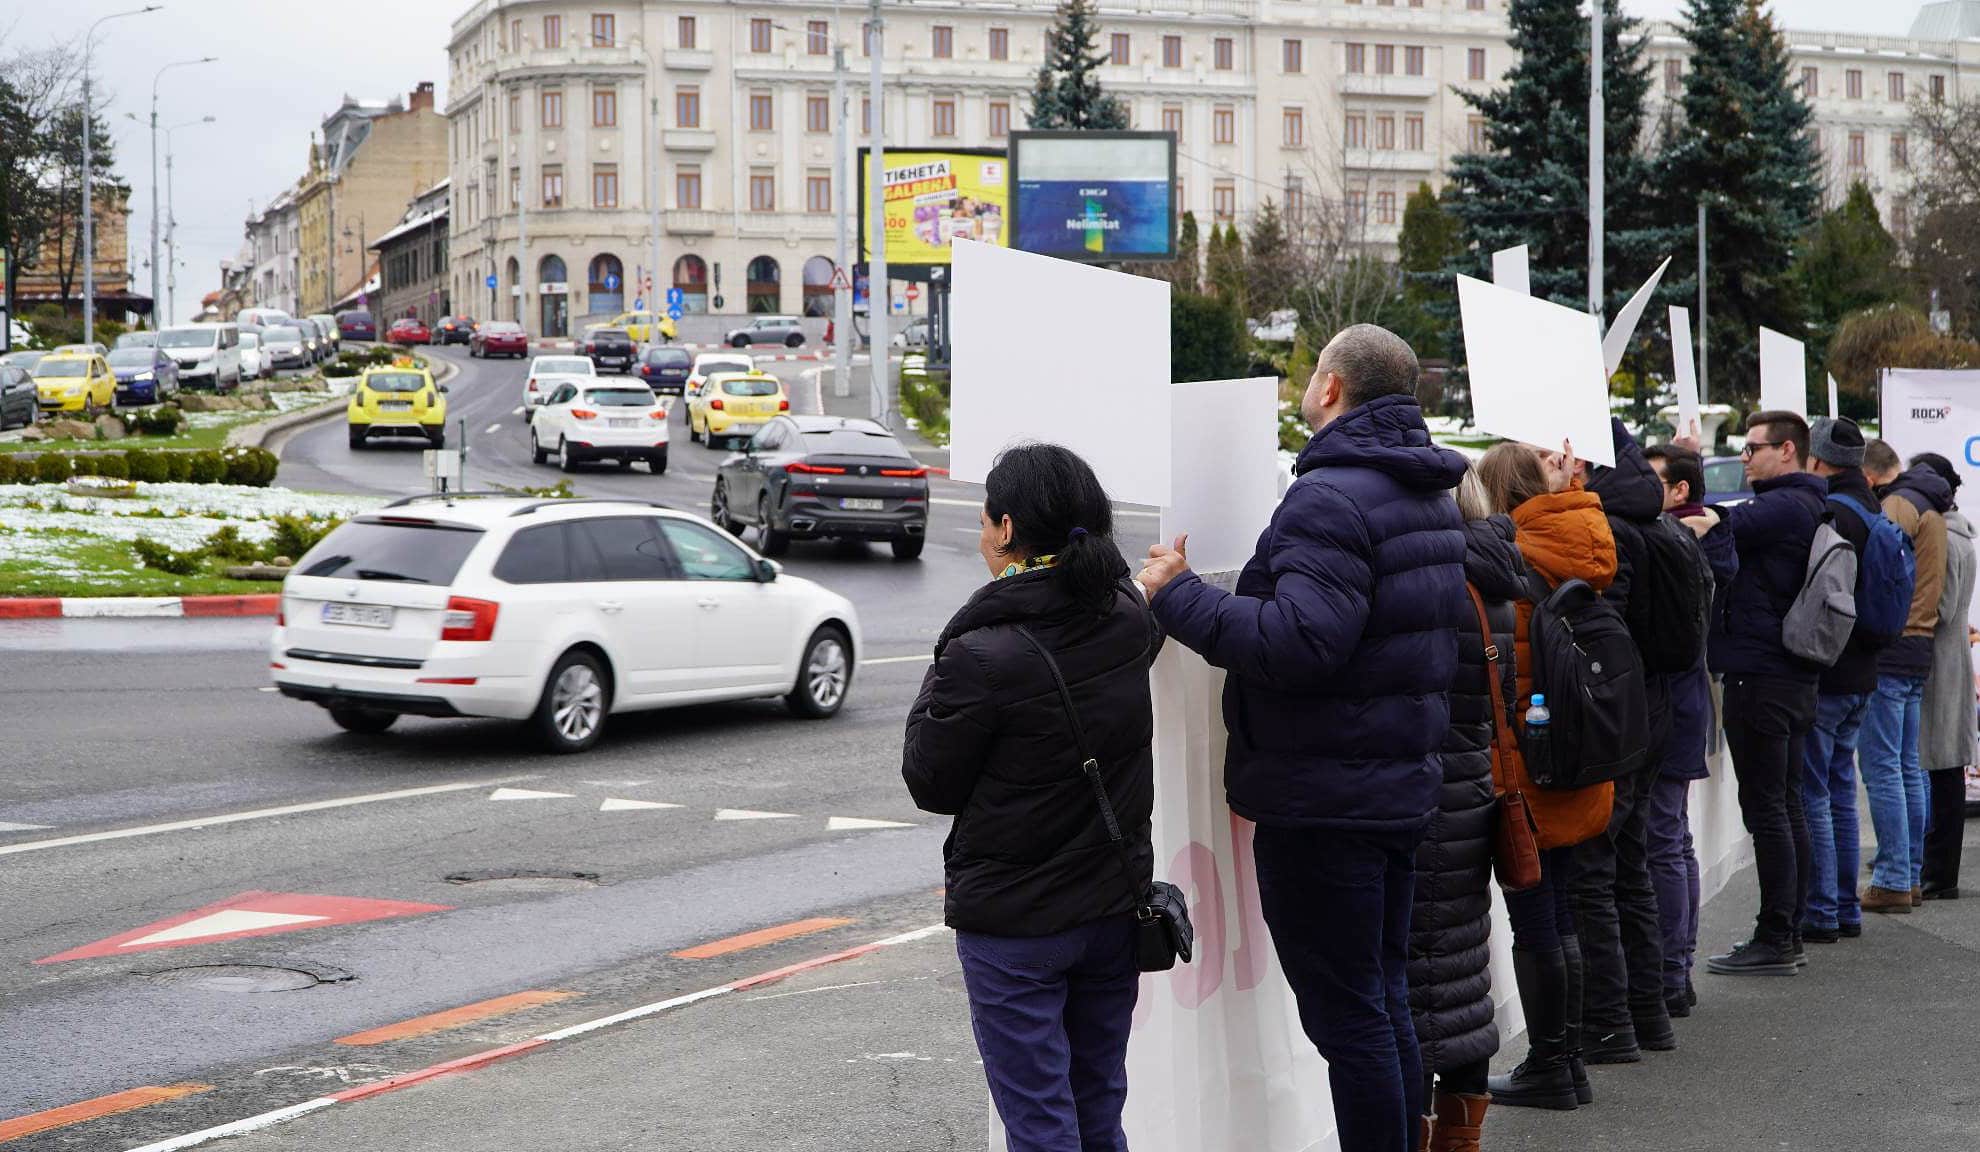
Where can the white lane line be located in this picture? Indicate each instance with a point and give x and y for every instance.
(968, 531)
(517, 412)
(748, 814)
(920, 659)
(492, 429)
(239, 1127)
(9, 827)
(859, 824)
(255, 814)
(614, 804)
(978, 504)
(526, 794)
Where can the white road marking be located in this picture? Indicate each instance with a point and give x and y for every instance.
(815, 991)
(856, 824)
(221, 922)
(922, 659)
(492, 429)
(517, 412)
(970, 531)
(268, 688)
(616, 805)
(5, 826)
(617, 783)
(256, 814)
(239, 1127)
(526, 794)
(747, 814)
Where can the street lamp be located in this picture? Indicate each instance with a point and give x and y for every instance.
(154, 173)
(89, 208)
(172, 222)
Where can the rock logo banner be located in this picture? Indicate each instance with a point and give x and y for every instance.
(1937, 411)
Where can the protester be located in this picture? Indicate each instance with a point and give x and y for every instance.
(1946, 722)
(1893, 777)
(1828, 781)
(1667, 827)
(1041, 900)
(1341, 643)
(1450, 955)
(1769, 691)
(1561, 533)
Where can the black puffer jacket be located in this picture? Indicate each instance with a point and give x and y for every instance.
(988, 742)
(1633, 500)
(1450, 986)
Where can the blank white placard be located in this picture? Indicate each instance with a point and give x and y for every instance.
(1048, 350)
(1511, 271)
(1783, 373)
(1686, 369)
(1225, 455)
(1617, 341)
(1536, 371)
(1835, 401)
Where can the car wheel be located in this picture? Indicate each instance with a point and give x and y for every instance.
(908, 547)
(824, 675)
(565, 461)
(357, 437)
(570, 715)
(739, 342)
(794, 340)
(536, 453)
(770, 542)
(720, 512)
(657, 464)
(437, 438)
(369, 721)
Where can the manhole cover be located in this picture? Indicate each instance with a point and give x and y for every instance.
(527, 879)
(236, 978)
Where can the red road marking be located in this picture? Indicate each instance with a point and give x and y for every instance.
(34, 608)
(453, 1018)
(248, 914)
(231, 605)
(117, 1102)
(759, 938)
(461, 1065)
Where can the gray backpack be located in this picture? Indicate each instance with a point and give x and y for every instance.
(1817, 627)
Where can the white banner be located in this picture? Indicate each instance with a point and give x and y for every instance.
(1937, 411)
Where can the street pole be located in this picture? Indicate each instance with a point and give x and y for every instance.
(1597, 129)
(1704, 345)
(88, 207)
(842, 176)
(154, 175)
(879, 300)
(172, 222)
(522, 258)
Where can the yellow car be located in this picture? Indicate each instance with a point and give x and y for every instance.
(735, 404)
(641, 326)
(400, 400)
(75, 382)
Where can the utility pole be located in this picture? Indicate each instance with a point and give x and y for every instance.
(88, 203)
(522, 257)
(1597, 130)
(154, 175)
(842, 176)
(172, 222)
(1704, 345)
(879, 300)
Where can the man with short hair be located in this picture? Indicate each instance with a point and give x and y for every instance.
(1769, 691)
(1341, 642)
(1893, 777)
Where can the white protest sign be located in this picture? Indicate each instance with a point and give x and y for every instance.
(1685, 370)
(1224, 455)
(1536, 371)
(1617, 341)
(1511, 272)
(1783, 373)
(1936, 411)
(1045, 349)
(1835, 407)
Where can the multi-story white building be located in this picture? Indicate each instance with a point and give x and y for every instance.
(273, 235)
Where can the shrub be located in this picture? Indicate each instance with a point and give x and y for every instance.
(163, 420)
(294, 535)
(83, 466)
(252, 466)
(53, 468)
(227, 544)
(178, 467)
(157, 556)
(146, 466)
(7, 468)
(208, 467)
(113, 466)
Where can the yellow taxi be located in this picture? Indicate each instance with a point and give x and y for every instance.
(75, 382)
(643, 326)
(732, 404)
(398, 400)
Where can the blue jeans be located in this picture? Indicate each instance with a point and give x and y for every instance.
(1828, 791)
(1051, 1016)
(1895, 782)
(1674, 870)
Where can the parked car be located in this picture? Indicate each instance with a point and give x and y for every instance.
(1725, 480)
(735, 404)
(396, 401)
(313, 341)
(328, 324)
(545, 372)
(785, 330)
(409, 330)
(645, 327)
(824, 477)
(18, 399)
(610, 348)
(453, 330)
(499, 338)
(74, 382)
(262, 317)
(713, 363)
(143, 338)
(665, 369)
(254, 366)
(25, 359)
(357, 325)
(144, 375)
(617, 422)
(284, 346)
(914, 335)
(557, 613)
(208, 355)
(97, 349)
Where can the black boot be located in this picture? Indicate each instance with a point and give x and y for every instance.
(1543, 1079)
(1577, 981)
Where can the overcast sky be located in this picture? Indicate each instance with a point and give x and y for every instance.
(284, 66)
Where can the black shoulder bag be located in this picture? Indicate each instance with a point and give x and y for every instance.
(1163, 933)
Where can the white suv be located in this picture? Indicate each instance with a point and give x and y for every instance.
(611, 421)
(553, 612)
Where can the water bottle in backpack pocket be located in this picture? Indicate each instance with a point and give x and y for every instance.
(1886, 575)
(1587, 669)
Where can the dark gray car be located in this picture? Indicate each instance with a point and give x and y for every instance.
(824, 477)
(17, 402)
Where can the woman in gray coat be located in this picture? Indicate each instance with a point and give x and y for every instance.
(1947, 739)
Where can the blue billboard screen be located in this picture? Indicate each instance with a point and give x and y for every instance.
(1094, 196)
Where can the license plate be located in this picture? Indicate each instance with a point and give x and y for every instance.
(358, 615)
(856, 504)
(395, 405)
(622, 423)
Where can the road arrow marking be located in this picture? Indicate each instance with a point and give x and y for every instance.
(232, 920)
(248, 914)
(855, 824)
(526, 794)
(616, 805)
(746, 814)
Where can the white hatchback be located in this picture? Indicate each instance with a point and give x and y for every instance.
(546, 372)
(713, 363)
(553, 612)
(621, 422)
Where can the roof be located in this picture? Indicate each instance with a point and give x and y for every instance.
(487, 511)
(1947, 20)
(412, 225)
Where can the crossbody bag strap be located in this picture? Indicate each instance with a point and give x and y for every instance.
(1504, 737)
(1088, 766)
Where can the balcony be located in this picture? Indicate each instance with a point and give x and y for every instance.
(784, 225)
(1395, 87)
(690, 222)
(687, 60)
(688, 139)
(1389, 160)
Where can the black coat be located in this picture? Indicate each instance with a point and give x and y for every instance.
(988, 742)
(1450, 956)
(1633, 500)
(1855, 672)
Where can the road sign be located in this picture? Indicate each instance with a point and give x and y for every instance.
(611, 282)
(675, 297)
(674, 313)
(913, 292)
(491, 280)
(639, 304)
(718, 303)
(248, 914)
(839, 281)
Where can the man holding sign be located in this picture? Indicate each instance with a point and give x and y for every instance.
(1341, 642)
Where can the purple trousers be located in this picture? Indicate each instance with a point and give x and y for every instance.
(1674, 874)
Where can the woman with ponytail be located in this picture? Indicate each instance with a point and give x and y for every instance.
(1040, 896)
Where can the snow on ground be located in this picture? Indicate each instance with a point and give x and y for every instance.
(180, 516)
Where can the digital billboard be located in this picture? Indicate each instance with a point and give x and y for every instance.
(932, 197)
(1094, 196)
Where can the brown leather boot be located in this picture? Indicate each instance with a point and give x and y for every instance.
(1886, 900)
(1460, 1122)
(1917, 896)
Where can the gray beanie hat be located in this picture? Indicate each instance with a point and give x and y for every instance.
(1836, 441)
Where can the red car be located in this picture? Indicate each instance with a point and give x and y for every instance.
(499, 338)
(408, 331)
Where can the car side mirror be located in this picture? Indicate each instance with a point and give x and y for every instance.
(441, 387)
(766, 571)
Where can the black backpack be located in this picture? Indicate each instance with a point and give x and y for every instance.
(1670, 598)
(1586, 663)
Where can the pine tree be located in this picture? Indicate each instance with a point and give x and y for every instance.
(1848, 263)
(1067, 95)
(1425, 246)
(1188, 272)
(1226, 266)
(1270, 273)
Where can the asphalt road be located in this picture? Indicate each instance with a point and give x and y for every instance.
(153, 777)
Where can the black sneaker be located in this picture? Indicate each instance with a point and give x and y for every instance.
(1617, 1047)
(1678, 1005)
(1754, 958)
(1941, 892)
(1654, 1032)
(1813, 935)
(1800, 953)
(1690, 992)
(1849, 931)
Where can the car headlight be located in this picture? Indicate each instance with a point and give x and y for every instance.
(140, 377)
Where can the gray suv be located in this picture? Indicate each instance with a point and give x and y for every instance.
(785, 330)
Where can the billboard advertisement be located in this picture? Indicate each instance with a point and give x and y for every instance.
(933, 196)
(1094, 196)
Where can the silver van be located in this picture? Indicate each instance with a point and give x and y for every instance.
(208, 355)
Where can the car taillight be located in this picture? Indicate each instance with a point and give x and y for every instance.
(783, 405)
(716, 404)
(469, 619)
(657, 414)
(584, 414)
(532, 385)
(905, 473)
(814, 469)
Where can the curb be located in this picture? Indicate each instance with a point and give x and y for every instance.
(137, 607)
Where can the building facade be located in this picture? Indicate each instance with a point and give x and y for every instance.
(274, 242)
(371, 159)
(412, 261)
(56, 276)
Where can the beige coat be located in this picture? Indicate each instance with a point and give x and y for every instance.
(1946, 729)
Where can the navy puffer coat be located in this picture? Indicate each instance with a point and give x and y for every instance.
(1772, 533)
(1450, 928)
(1341, 639)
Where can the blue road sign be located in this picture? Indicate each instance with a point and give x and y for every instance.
(675, 298)
(491, 280)
(611, 282)
(674, 313)
(639, 304)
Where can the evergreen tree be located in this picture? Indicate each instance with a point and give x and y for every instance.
(1745, 153)
(1225, 267)
(1426, 245)
(1067, 95)
(1271, 272)
(1188, 274)
(1848, 263)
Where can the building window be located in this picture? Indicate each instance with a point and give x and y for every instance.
(759, 35)
(1000, 43)
(553, 186)
(515, 36)
(1355, 134)
(1385, 59)
(817, 38)
(687, 107)
(1357, 207)
(1474, 134)
(1938, 88)
(1900, 150)
(552, 108)
(1000, 119)
(1172, 120)
(1901, 218)
(1225, 53)
(1413, 132)
(604, 107)
(1385, 207)
(1294, 124)
(1853, 84)
(1295, 199)
(604, 30)
(817, 113)
(1673, 75)
(684, 31)
(1475, 64)
(515, 187)
(515, 113)
(1413, 60)
(866, 39)
(943, 116)
(1856, 150)
(818, 193)
(943, 45)
(1171, 51)
(1223, 124)
(553, 31)
(687, 187)
(1120, 50)
(762, 192)
(605, 186)
(1223, 200)
(1811, 83)
(1472, 5)
(1385, 133)
(1357, 58)
(762, 112)
(1894, 83)
(866, 115)
(1292, 56)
